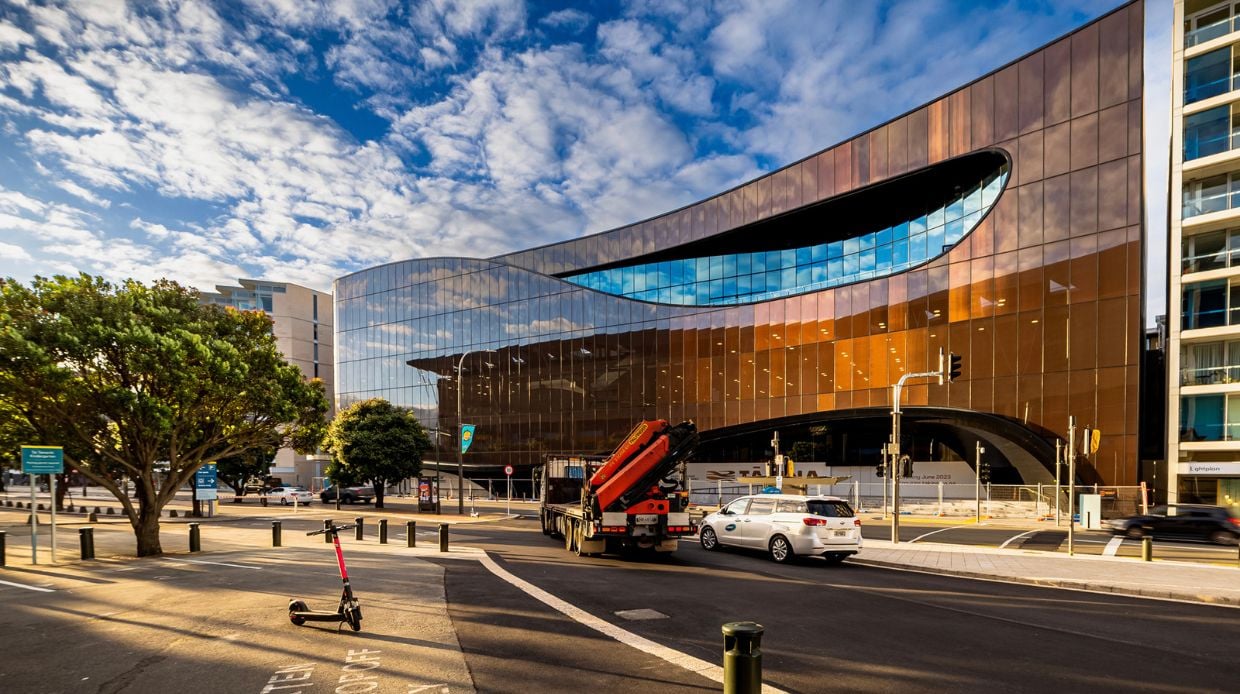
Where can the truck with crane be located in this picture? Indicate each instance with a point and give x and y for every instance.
(633, 499)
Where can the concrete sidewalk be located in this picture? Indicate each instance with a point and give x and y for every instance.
(1217, 585)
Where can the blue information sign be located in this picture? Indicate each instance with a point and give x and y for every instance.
(43, 460)
(204, 477)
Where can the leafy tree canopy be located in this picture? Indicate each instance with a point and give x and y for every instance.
(145, 383)
(375, 442)
(256, 461)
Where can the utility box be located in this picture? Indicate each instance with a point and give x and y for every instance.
(1091, 511)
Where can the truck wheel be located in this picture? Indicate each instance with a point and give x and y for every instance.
(578, 538)
(781, 550)
(710, 541)
(568, 537)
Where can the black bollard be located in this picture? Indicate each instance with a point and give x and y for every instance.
(327, 537)
(383, 531)
(86, 541)
(357, 532)
(275, 533)
(443, 537)
(92, 518)
(195, 538)
(742, 658)
(1147, 549)
(172, 513)
(111, 511)
(411, 529)
(2, 535)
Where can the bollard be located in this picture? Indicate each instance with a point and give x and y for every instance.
(111, 511)
(275, 533)
(1147, 549)
(172, 513)
(327, 537)
(383, 531)
(443, 537)
(742, 658)
(411, 528)
(92, 518)
(2, 534)
(195, 538)
(40, 508)
(86, 541)
(262, 500)
(357, 532)
(97, 511)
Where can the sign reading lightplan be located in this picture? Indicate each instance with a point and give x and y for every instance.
(1210, 468)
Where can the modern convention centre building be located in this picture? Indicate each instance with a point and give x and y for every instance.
(1002, 222)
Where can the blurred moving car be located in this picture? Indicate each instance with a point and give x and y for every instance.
(785, 526)
(1216, 524)
(348, 495)
(287, 495)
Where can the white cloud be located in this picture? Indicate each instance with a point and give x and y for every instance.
(13, 38)
(571, 20)
(78, 191)
(9, 251)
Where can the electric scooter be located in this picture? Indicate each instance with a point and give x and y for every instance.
(349, 611)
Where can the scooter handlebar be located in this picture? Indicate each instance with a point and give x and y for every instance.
(333, 529)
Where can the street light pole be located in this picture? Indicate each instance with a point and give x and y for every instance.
(460, 447)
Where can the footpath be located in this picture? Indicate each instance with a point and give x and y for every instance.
(1218, 585)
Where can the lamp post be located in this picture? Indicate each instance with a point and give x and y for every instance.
(460, 448)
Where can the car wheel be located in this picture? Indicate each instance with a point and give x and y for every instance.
(1222, 537)
(348, 498)
(781, 550)
(284, 501)
(1135, 532)
(709, 540)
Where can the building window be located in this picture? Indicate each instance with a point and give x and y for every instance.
(1207, 75)
(1207, 305)
(1210, 363)
(1206, 133)
(1214, 250)
(1208, 24)
(1210, 417)
(1213, 194)
(314, 307)
(763, 275)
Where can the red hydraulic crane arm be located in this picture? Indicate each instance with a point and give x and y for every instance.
(629, 449)
(631, 475)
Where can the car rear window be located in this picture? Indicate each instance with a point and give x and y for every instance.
(790, 506)
(830, 509)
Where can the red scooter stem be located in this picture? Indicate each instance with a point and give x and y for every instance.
(344, 573)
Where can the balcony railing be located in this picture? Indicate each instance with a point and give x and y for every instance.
(1211, 31)
(1211, 432)
(1210, 376)
(1210, 145)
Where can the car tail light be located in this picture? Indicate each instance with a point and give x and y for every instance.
(857, 522)
(814, 521)
(1234, 521)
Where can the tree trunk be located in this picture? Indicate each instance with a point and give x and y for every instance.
(146, 530)
(62, 488)
(378, 494)
(238, 489)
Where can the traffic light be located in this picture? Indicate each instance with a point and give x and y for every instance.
(906, 466)
(983, 472)
(953, 367)
(880, 470)
(789, 469)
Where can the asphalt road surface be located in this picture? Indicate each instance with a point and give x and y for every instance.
(217, 621)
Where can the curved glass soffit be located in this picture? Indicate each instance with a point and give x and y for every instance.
(874, 232)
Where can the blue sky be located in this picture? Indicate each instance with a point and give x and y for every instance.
(301, 141)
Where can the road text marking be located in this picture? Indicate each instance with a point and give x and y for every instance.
(289, 677)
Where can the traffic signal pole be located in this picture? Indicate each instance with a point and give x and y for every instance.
(893, 446)
(977, 471)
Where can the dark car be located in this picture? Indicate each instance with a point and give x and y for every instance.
(1183, 522)
(349, 495)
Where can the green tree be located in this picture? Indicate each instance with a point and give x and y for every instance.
(802, 451)
(256, 461)
(377, 443)
(144, 384)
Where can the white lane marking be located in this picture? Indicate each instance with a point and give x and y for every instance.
(23, 585)
(932, 532)
(628, 638)
(1014, 538)
(1113, 546)
(214, 563)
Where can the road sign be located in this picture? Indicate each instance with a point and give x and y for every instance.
(205, 483)
(467, 436)
(43, 460)
(1095, 440)
(508, 470)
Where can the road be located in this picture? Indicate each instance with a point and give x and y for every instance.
(216, 622)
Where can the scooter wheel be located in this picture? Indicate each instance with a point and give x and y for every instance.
(355, 622)
(296, 606)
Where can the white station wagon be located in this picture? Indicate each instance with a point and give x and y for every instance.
(786, 526)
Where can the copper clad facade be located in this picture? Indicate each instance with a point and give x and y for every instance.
(1042, 299)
